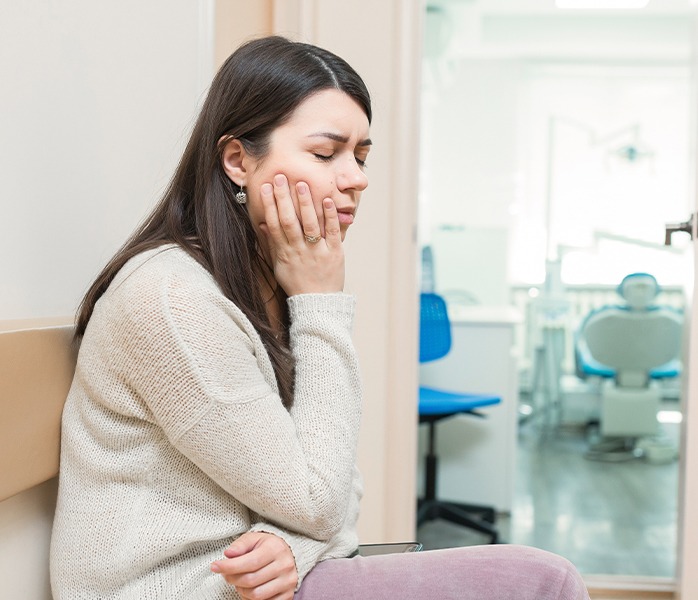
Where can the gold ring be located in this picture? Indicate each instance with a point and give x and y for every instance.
(312, 239)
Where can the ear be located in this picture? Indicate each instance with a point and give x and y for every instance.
(236, 161)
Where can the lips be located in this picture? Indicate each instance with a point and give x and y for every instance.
(345, 216)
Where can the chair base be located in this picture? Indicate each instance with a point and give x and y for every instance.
(654, 450)
(615, 449)
(478, 518)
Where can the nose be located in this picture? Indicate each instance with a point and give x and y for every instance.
(351, 177)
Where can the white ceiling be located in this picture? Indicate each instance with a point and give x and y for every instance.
(512, 7)
(663, 31)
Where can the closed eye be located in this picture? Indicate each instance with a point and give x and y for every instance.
(329, 157)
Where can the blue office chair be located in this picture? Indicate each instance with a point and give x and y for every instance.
(436, 405)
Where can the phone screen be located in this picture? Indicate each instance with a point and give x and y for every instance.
(373, 549)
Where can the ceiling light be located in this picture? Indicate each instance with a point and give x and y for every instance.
(601, 4)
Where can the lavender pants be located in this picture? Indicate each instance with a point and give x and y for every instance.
(497, 572)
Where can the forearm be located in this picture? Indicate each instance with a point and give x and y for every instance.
(307, 552)
(293, 469)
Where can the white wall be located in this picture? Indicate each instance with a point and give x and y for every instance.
(470, 173)
(97, 99)
(25, 525)
(575, 122)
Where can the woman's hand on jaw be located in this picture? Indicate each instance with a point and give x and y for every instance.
(302, 266)
(260, 566)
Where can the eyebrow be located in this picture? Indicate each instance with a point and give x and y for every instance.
(340, 138)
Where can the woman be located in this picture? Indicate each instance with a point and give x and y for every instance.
(209, 437)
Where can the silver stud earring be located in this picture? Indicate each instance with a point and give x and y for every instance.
(241, 196)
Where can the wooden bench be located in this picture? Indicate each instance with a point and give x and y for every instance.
(37, 361)
(36, 369)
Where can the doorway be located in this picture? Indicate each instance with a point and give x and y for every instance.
(556, 145)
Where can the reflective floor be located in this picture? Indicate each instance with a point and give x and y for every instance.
(615, 518)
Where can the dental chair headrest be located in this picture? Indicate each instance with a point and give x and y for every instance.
(639, 290)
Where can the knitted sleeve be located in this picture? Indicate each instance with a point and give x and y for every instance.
(307, 552)
(191, 357)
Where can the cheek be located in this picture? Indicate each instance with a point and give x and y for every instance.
(320, 193)
(320, 188)
(321, 183)
(326, 190)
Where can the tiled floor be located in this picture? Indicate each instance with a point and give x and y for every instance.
(607, 518)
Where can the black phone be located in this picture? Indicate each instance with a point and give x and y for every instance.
(373, 549)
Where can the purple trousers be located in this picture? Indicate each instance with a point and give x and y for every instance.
(496, 572)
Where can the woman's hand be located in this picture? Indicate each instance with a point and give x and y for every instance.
(302, 266)
(260, 566)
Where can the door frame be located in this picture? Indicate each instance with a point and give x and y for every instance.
(687, 550)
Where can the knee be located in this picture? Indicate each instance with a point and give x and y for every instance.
(556, 573)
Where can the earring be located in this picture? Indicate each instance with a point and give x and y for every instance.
(241, 196)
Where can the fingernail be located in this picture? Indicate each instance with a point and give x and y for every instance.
(327, 203)
(215, 568)
(266, 188)
(302, 188)
(279, 179)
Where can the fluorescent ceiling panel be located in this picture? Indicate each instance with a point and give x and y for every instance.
(601, 4)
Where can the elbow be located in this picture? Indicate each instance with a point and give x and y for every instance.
(324, 528)
(324, 521)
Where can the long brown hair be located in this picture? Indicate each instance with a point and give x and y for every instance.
(254, 92)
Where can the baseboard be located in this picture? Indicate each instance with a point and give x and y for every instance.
(630, 588)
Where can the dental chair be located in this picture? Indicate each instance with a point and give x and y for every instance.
(630, 347)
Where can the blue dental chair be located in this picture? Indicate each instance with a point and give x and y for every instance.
(436, 405)
(630, 347)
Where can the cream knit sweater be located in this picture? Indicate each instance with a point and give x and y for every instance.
(175, 440)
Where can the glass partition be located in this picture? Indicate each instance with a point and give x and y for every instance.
(556, 145)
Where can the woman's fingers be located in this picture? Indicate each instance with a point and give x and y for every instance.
(333, 233)
(302, 260)
(285, 221)
(274, 586)
(287, 213)
(312, 228)
(260, 566)
(271, 216)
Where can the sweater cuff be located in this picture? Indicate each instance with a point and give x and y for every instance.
(306, 551)
(318, 307)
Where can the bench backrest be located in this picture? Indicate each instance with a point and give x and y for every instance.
(36, 369)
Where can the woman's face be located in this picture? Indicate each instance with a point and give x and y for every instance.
(324, 144)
